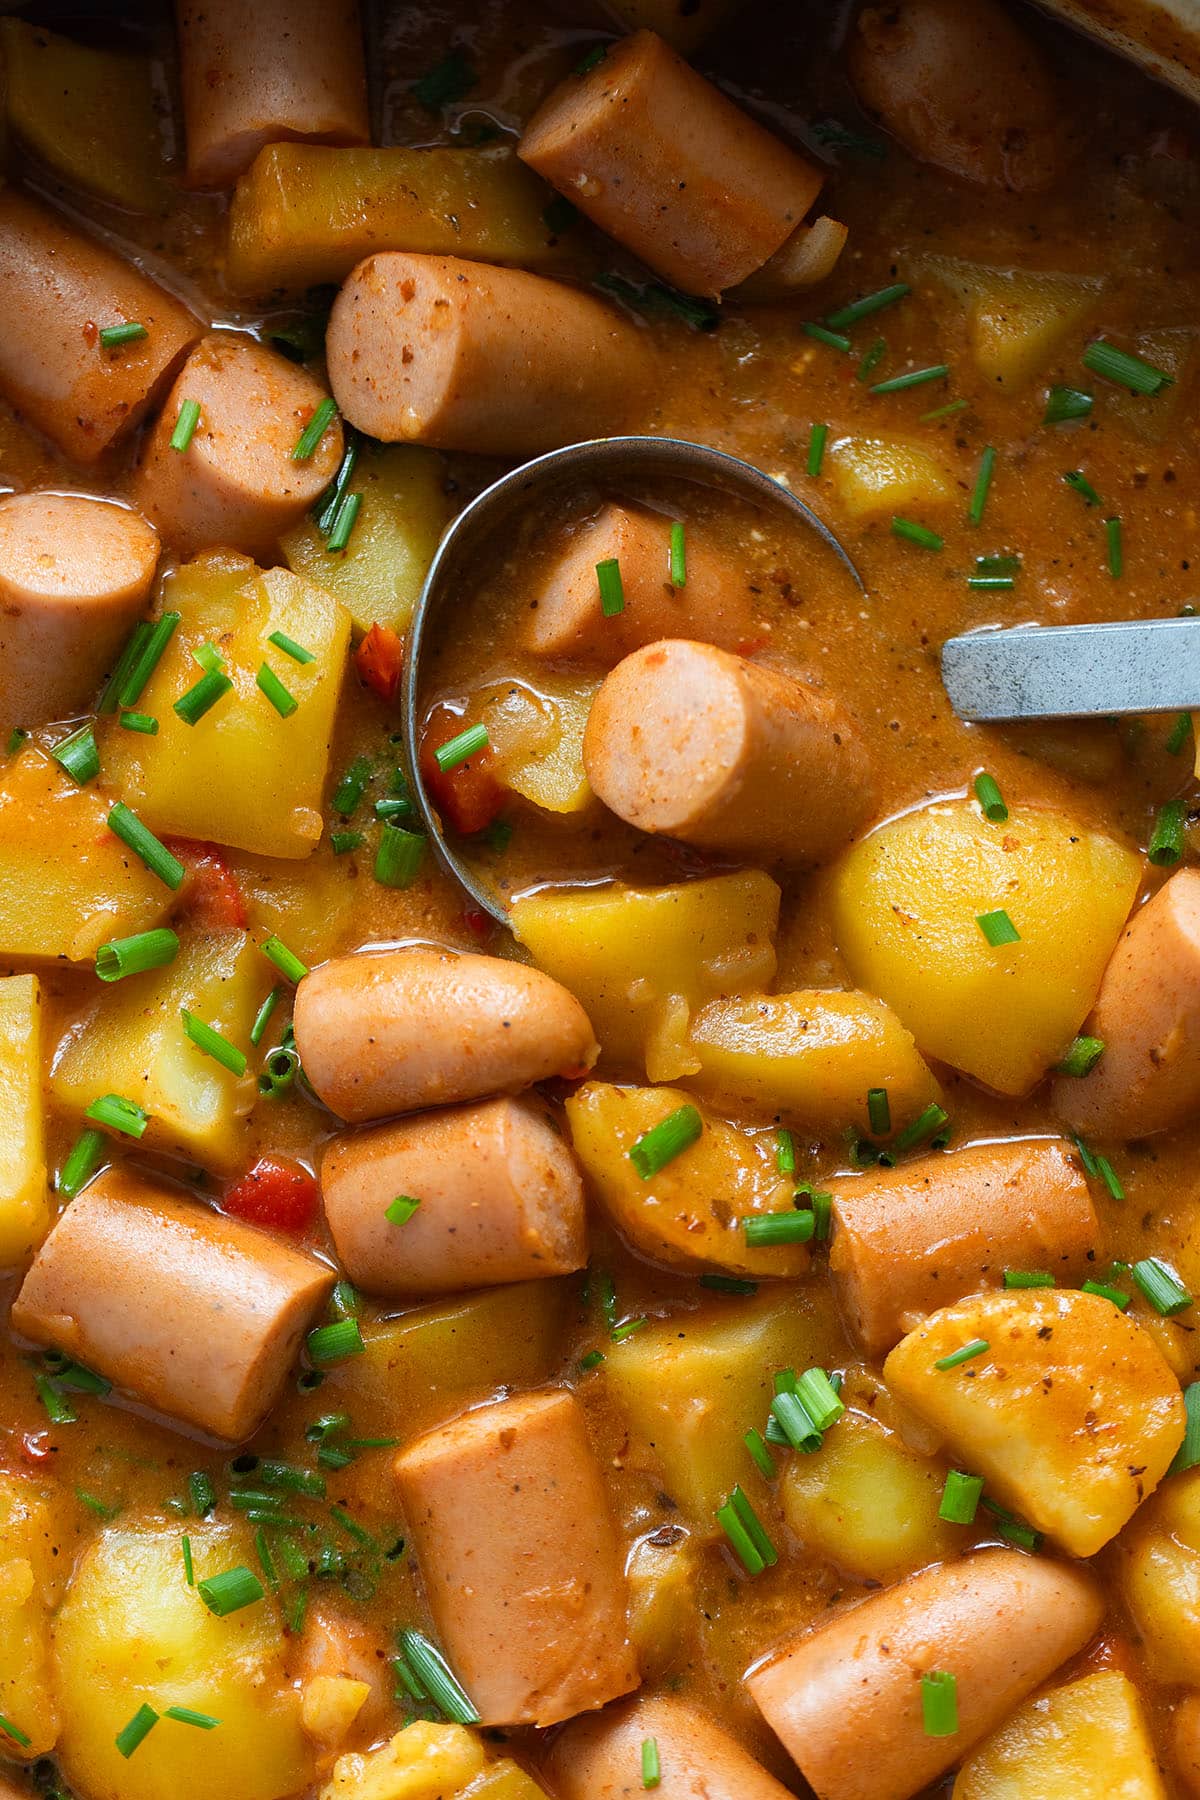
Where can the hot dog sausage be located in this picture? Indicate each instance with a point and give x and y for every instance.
(500, 1195)
(601, 1758)
(713, 606)
(199, 1316)
(910, 1239)
(258, 75)
(433, 350)
(237, 482)
(424, 1027)
(531, 1608)
(662, 161)
(846, 1698)
(58, 290)
(687, 740)
(74, 575)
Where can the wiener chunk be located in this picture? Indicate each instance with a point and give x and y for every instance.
(237, 483)
(686, 740)
(500, 1199)
(914, 1238)
(657, 156)
(846, 1698)
(600, 1758)
(74, 576)
(195, 1314)
(520, 1559)
(1148, 1015)
(421, 1027)
(463, 356)
(277, 70)
(58, 290)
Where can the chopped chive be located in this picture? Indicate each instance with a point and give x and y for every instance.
(1010, 1527)
(345, 1301)
(185, 425)
(184, 1715)
(285, 960)
(819, 1398)
(791, 1416)
(398, 856)
(651, 1767)
(14, 1732)
(612, 589)
(728, 1284)
(1179, 734)
(16, 737)
(207, 1039)
(1079, 483)
(1086, 1158)
(134, 955)
(822, 1212)
(192, 706)
(290, 647)
(816, 448)
(269, 683)
(118, 1114)
(665, 1141)
(898, 384)
(146, 723)
(678, 556)
(446, 83)
(59, 1410)
(395, 810)
(761, 1457)
(113, 336)
(332, 1343)
(943, 412)
(83, 1159)
(149, 655)
(189, 1567)
(991, 800)
(870, 303)
(871, 359)
(327, 507)
(998, 928)
(289, 1478)
(340, 842)
(78, 755)
(201, 1493)
(401, 1209)
(1167, 839)
(1082, 1057)
(592, 1360)
(209, 658)
(939, 1703)
(879, 1111)
(343, 524)
(983, 483)
(139, 1728)
(262, 1017)
(976, 1347)
(913, 533)
(1116, 550)
(994, 574)
(1064, 404)
(437, 1678)
(461, 747)
(628, 1328)
(790, 1227)
(1188, 1453)
(315, 430)
(929, 1122)
(134, 644)
(350, 789)
(1124, 370)
(1028, 1278)
(740, 1539)
(834, 339)
(960, 1498)
(278, 1072)
(230, 1591)
(785, 1151)
(1160, 1287)
(125, 824)
(1106, 1292)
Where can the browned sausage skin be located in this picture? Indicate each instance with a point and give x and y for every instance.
(600, 1758)
(58, 290)
(530, 1607)
(910, 1239)
(846, 1698)
(198, 1315)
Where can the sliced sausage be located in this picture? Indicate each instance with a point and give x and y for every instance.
(421, 1027)
(197, 1315)
(501, 1199)
(846, 1698)
(713, 605)
(1148, 1015)
(687, 740)
(520, 1559)
(74, 575)
(280, 69)
(58, 290)
(433, 350)
(910, 1239)
(662, 161)
(601, 1758)
(237, 482)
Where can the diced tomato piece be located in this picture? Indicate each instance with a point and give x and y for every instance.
(36, 1448)
(469, 796)
(379, 661)
(478, 922)
(276, 1192)
(210, 895)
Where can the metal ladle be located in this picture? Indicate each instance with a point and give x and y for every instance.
(1074, 671)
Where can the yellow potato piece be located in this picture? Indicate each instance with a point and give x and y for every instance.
(663, 1603)
(423, 1762)
(1161, 1580)
(811, 1056)
(24, 1196)
(309, 905)
(876, 477)
(1017, 319)
(27, 1536)
(242, 775)
(329, 1705)
(906, 905)
(504, 1781)
(690, 1214)
(537, 737)
(1070, 1414)
(1088, 1740)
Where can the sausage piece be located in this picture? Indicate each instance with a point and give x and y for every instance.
(687, 740)
(910, 1239)
(280, 69)
(58, 290)
(74, 575)
(433, 350)
(501, 1199)
(421, 1027)
(1148, 1014)
(566, 620)
(520, 1559)
(237, 483)
(658, 157)
(846, 1698)
(198, 1315)
(601, 1758)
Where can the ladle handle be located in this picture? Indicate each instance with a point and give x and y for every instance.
(1074, 671)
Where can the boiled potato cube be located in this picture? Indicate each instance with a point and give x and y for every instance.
(1070, 1413)
(67, 884)
(423, 1762)
(906, 906)
(876, 477)
(537, 737)
(811, 1056)
(27, 1540)
(504, 1780)
(1017, 319)
(691, 1387)
(132, 1043)
(131, 1632)
(329, 1705)
(690, 1214)
(1161, 1580)
(663, 1602)
(24, 1197)
(1088, 1740)
(310, 905)
(404, 511)
(242, 775)
(641, 959)
(867, 1503)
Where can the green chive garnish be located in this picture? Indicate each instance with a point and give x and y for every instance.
(118, 1114)
(401, 1209)
(184, 1715)
(1188, 1453)
(1079, 483)
(268, 681)
(134, 955)
(1012, 1529)
(134, 644)
(1167, 839)
(1124, 370)
(290, 647)
(665, 1141)
(350, 789)
(627, 1328)
(879, 1112)
(59, 1410)
(230, 1591)
(79, 756)
(678, 556)
(819, 1398)
(1028, 1278)
(960, 1498)
(870, 303)
(791, 1419)
(1180, 731)
(201, 1493)
(746, 1533)
(939, 1703)
(995, 573)
(1082, 1057)
(789, 1227)
(398, 856)
(328, 506)
(592, 1360)
(761, 1457)
(189, 1567)
(728, 1284)
(897, 384)
(113, 336)
(816, 448)
(976, 1347)
(871, 360)
(998, 928)
(146, 723)
(149, 655)
(612, 590)
(343, 524)
(651, 1767)
(943, 412)
(262, 1017)
(834, 339)
(342, 841)
(1116, 550)
(437, 1678)
(926, 1126)
(991, 800)
(139, 1727)
(1106, 1292)
(83, 1159)
(14, 1732)
(785, 1151)
(192, 706)
(185, 425)
(285, 960)
(912, 533)
(1160, 1287)
(461, 747)
(315, 430)
(333, 1343)
(212, 1043)
(983, 483)
(1064, 404)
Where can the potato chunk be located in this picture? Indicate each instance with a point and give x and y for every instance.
(1088, 1740)
(429, 1762)
(242, 775)
(876, 477)
(690, 1214)
(1017, 319)
(1161, 1580)
(24, 1198)
(906, 905)
(640, 960)
(537, 736)
(1070, 1413)
(132, 1632)
(26, 1566)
